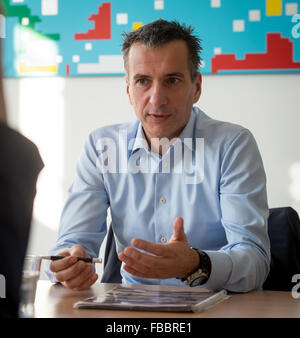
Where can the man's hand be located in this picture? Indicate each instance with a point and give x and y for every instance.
(74, 274)
(174, 259)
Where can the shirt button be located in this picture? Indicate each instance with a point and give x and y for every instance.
(162, 200)
(165, 164)
(163, 239)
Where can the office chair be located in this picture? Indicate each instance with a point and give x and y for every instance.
(284, 233)
(112, 264)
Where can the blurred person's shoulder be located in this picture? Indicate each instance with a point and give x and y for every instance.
(18, 153)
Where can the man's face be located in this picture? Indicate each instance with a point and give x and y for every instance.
(160, 88)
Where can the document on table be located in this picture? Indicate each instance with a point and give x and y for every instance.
(131, 298)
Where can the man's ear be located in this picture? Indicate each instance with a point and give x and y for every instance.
(127, 88)
(198, 88)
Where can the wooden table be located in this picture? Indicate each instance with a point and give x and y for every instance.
(55, 301)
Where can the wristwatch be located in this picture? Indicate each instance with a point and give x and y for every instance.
(201, 275)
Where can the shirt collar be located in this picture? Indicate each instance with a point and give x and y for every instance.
(140, 141)
(188, 131)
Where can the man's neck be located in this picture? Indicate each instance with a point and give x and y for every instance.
(161, 145)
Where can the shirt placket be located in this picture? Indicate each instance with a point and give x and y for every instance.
(162, 201)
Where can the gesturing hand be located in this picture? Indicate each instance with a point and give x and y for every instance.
(174, 259)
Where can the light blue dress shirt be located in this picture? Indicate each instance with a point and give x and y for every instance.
(212, 176)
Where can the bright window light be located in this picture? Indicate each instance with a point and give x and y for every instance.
(41, 119)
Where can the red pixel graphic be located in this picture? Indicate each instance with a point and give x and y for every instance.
(279, 55)
(102, 29)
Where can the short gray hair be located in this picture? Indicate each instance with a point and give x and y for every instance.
(160, 32)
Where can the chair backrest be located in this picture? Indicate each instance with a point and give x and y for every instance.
(284, 233)
(112, 264)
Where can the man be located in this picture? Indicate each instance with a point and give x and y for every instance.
(174, 161)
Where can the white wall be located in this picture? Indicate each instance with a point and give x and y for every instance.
(58, 113)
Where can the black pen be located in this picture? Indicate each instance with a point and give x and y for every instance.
(87, 260)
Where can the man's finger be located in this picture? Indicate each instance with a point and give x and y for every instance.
(88, 283)
(79, 251)
(156, 249)
(137, 255)
(83, 276)
(71, 272)
(137, 273)
(178, 230)
(63, 263)
(134, 258)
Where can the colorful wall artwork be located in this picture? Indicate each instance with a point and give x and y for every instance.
(84, 37)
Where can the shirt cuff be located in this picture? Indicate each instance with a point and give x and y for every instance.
(221, 267)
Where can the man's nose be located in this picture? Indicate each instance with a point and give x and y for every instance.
(158, 96)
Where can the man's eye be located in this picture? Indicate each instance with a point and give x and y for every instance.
(173, 80)
(142, 82)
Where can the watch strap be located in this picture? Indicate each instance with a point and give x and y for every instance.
(203, 270)
(205, 263)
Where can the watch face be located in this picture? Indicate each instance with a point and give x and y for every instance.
(197, 278)
(196, 281)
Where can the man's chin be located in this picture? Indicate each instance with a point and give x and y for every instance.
(159, 134)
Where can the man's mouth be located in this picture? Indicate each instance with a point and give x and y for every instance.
(159, 117)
